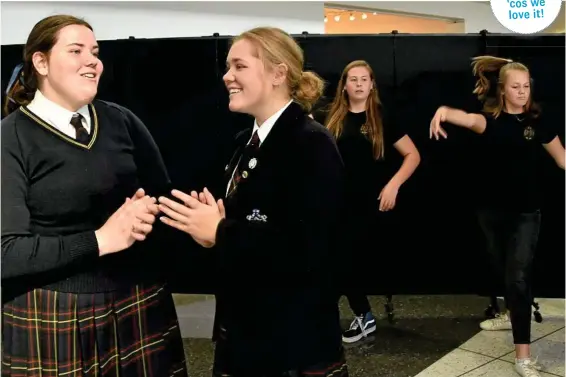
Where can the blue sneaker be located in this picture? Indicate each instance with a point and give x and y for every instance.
(360, 328)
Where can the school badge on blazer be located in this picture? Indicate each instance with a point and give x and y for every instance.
(256, 216)
(529, 133)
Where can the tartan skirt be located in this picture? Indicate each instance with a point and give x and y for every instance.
(131, 333)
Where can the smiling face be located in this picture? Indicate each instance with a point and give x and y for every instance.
(248, 81)
(516, 89)
(358, 84)
(70, 72)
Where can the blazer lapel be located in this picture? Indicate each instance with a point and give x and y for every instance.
(275, 142)
(282, 130)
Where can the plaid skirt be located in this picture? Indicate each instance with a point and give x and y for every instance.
(132, 333)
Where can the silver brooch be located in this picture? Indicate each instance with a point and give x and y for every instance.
(256, 216)
(253, 163)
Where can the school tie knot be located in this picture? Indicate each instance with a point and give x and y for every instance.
(254, 142)
(81, 133)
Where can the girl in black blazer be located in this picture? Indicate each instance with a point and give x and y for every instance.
(273, 234)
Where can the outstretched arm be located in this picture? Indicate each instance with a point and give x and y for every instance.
(474, 122)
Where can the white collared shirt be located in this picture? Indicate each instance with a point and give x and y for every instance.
(262, 132)
(57, 116)
(266, 127)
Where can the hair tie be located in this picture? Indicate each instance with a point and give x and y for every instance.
(16, 73)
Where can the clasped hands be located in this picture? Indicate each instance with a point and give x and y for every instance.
(198, 215)
(132, 222)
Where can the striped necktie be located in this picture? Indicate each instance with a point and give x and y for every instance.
(248, 151)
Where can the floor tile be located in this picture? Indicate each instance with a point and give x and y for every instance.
(496, 368)
(455, 364)
(499, 343)
(552, 307)
(548, 326)
(550, 352)
(490, 343)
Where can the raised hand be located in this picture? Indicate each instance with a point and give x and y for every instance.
(146, 210)
(435, 127)
(197, 217)
(132, 222)
(207, 198)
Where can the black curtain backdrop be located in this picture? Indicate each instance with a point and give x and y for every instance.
(175, 86)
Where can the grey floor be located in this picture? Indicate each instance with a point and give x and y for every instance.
(434, 336)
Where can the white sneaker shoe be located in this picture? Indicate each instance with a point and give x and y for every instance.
(500, 322)
(527, 368)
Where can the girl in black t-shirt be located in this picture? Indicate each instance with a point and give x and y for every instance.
(366, 141)
(512, 132)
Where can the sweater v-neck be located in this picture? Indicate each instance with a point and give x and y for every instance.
(38, 120)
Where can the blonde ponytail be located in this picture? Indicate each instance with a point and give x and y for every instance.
(482, 64)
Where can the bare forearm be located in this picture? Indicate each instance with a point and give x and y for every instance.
(410, 163)
(460, 118)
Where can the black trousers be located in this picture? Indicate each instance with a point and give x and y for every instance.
(511, 240)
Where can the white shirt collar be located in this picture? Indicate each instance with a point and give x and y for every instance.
(266, 127)
(56, 115)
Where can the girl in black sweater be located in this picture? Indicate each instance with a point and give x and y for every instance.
(512, 131)
(80, 295)
(366, 139)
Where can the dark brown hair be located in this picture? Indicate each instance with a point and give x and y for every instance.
(340, 106)
(494, 105)
(42, 38)
(275, 46)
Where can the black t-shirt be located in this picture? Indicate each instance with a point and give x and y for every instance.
(511, 152)
(366, 175)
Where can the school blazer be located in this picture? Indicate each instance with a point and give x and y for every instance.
(275, 250)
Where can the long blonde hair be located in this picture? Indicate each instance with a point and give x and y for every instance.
(341, 104)
(275, 46)
(495, 105)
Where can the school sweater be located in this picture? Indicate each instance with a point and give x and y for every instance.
(57, 192)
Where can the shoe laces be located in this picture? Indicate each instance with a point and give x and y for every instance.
(530, 367)
(501, 319)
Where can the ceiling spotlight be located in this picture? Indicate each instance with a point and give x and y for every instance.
(375, 13)
(325, 19)
(336, 18)
(364, 16)
(352, 18)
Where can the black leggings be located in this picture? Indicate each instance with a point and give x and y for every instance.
(364, 253)
(359, 303)
(511, 243)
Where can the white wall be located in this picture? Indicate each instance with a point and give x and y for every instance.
(118, 20)
(477, 15)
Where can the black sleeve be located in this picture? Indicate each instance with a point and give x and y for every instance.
(152, 172)
(490, 121)
(160, 248)
(25, 253)
(545, 129)
(299, 242)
